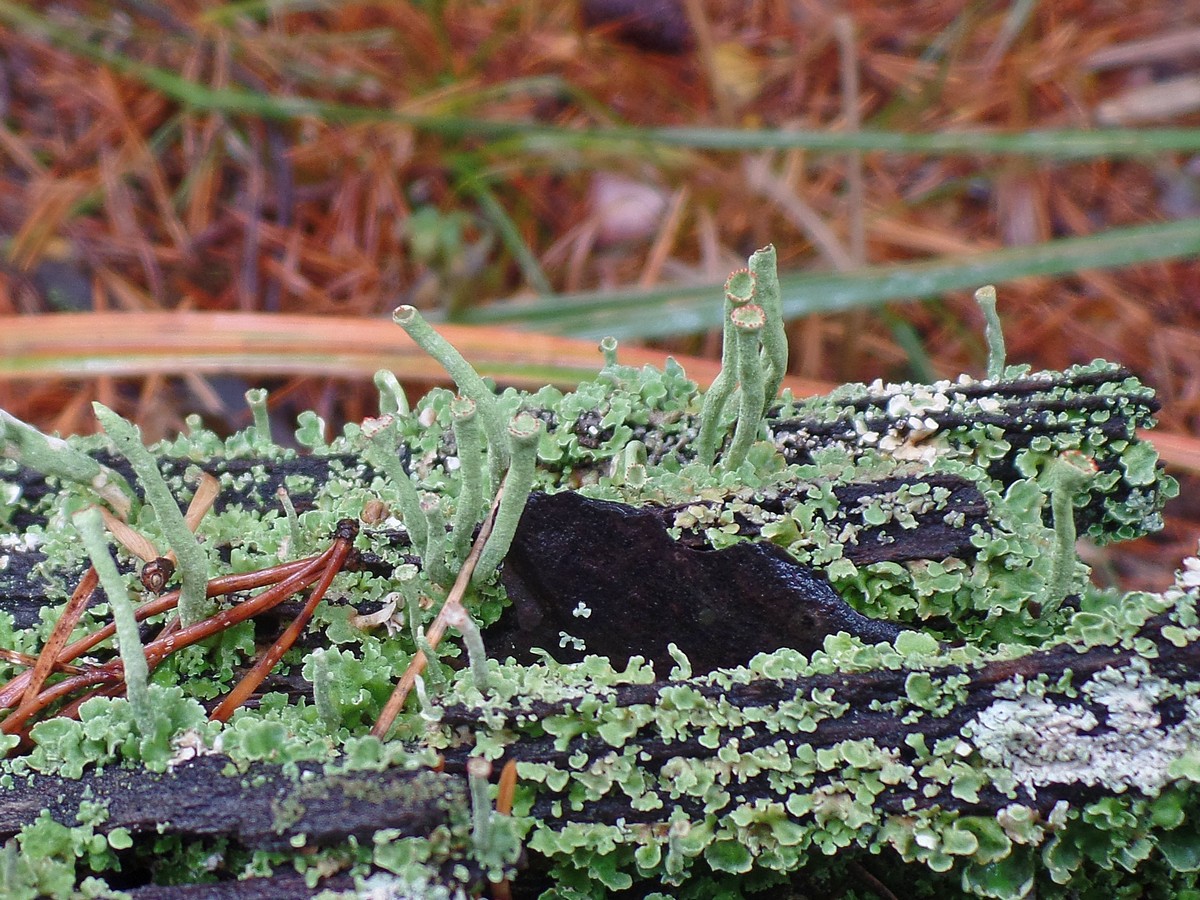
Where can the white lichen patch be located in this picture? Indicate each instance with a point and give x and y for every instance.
(1119, 742)
(568, 640)
(23, 542)
(188, 745)
(1189, 575)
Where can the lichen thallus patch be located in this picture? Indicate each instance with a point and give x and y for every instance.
(723, 639)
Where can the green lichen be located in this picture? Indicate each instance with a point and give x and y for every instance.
(687, 784)
(193, 561)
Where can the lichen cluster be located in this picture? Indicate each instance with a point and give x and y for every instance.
(1026, 730)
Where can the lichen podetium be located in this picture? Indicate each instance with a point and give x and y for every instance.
(1024, 733)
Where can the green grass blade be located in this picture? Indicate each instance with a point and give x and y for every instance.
(666, 311)
(1059, 144)
(510, 233)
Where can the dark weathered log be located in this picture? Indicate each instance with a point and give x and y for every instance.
(609, 576)
(1078, 407)
(901, 735)
(280, 886)
(262, 808)
(870, 715)
(268, 805)
(1064, 408)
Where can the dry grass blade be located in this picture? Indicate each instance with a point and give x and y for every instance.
(128, 344)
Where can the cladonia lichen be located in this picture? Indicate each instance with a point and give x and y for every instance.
(1025, 731)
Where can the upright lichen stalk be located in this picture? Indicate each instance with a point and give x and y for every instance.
(468, 381)
(392, 399)
(1066, 476)
(256, 399)
(518, 482)
(739, 290)
(754, 351)
(193, 561)
(434, 556)
(383, 452)
(749, 322)
(323, 686)
(133, 656)
(993, 333)
(608, 347)
(470, 470)
(763, 266)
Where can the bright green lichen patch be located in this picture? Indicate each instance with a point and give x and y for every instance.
(1024, 733)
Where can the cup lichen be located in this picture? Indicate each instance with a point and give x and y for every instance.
(1003, 742)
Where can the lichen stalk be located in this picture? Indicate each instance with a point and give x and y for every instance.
(54, 456)
(993, 333)
(383, 452)
(392, 399)
(478, 772)
(433, 558)
(748, 322)
(295, 534)
(1069, 472)
(524, 432)
(323, 699)
(129, 645)
(395, 703)
(256, 399)
(608, 346)
(433, 666)
(427, 707)
(767, 294)
(470, 502)
(739, 290)
(466, 378)
(433, 663)
(457, 617)
(629, 466)
(193, 561)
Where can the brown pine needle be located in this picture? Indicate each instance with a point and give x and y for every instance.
(450, 609)
(18, 658)
(287, 577)
(129, 538)
(202, 501)
(507, 788)
(261, 669)
(49, 657)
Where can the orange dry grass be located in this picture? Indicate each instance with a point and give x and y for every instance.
(116, 197)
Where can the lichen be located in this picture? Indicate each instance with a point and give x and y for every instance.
(971, 753)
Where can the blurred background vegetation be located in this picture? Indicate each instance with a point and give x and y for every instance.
(536, 175)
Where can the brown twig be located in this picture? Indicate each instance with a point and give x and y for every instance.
(450, 609)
